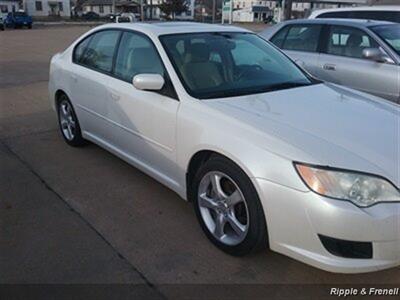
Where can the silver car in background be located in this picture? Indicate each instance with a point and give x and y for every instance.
(377, 12)
(361, 54)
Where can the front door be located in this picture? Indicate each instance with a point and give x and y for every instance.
(343, 63)
(143, 122)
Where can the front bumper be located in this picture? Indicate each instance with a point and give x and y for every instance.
(295, 219)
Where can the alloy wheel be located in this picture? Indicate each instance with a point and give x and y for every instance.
(67, 120)
(223, 208)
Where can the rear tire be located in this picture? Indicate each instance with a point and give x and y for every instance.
(68, 123)
(234, 205)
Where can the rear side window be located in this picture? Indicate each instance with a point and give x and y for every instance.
(80, 49)
(302, 38)
(280, 36)
(335, 14)
(391, 16)
(99, 52)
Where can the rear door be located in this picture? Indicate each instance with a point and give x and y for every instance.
(342, 62)
(301, 43)
(93, 60)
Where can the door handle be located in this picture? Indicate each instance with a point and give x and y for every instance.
(115, 97)
(329, 67)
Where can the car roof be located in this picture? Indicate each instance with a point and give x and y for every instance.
(356, 8)
(161, 28)
(350, 22)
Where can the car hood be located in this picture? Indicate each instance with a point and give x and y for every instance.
(326, 124)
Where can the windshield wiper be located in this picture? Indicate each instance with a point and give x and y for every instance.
(250, 91)
(285, 85)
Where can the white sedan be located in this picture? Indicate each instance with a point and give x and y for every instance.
(269, 156)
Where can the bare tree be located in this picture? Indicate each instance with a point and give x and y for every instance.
(173, 7)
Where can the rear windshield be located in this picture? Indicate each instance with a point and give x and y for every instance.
(20, 14)
(381, 15)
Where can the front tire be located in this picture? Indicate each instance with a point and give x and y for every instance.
(228, 208)
(68, 123)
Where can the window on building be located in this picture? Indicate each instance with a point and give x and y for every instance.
(4, 8)
(101, 9)
(38, 5)
(60, 6)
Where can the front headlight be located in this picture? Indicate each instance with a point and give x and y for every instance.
(360, 188)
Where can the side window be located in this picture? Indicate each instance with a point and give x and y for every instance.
(302, 38)
(336, 14)
(137, 55)
(279, 37)
(347, 41)
(80, 49)
(100, 50)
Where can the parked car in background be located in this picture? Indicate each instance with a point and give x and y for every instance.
(122, 18)
(360, 54)
(390, 13)
(126, 18)
(267, 154)
(18, 19)
(91, 16)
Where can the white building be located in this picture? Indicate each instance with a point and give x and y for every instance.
(257, 11)
(48, 8)
(157, 13)
(7, 6)
(100, 7)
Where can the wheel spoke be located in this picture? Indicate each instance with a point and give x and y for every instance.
(207, 202)
(216, 186)
(234, 198)
(68, 109)
(236, 225)
(219, 226)
(64, 110)
(64, 124)
(71, 135)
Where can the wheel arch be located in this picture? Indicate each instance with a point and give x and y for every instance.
(57, 96)
(202, 156)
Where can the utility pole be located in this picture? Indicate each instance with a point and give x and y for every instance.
(151, 9)
(213, 10)
(141, 10)
(113, 7)
(287, 9)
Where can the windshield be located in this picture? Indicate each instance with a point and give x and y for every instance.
(20, 14)
(221, 64)
(390, 34)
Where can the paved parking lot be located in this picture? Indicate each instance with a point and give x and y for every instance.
(71, 215)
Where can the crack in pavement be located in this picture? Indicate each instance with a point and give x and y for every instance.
(48, 187)
(3, 139)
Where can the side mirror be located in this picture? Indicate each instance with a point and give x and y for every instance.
(376, 55)
(148, 82)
